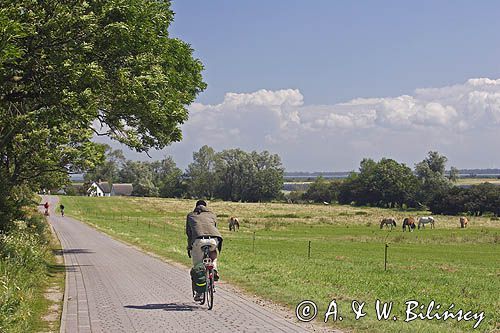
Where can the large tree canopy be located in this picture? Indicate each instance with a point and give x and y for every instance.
(386, 183)
(73, 69)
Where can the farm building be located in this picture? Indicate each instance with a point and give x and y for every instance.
(104, 189)
(99, 189)
(121, 189)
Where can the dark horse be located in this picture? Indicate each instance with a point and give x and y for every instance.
(410, 223)
(389, 221)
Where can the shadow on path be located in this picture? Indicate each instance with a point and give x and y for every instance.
(59, 252)
(165, 307)
(64, 268)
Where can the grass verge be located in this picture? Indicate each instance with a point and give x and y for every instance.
(31, 281)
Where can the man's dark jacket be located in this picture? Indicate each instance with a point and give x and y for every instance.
(202, 222)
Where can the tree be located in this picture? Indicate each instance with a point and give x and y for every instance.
(168, 178)
(431, 174)
(201, 174)
(109, 169)
(267, 177)
(66, 65)
(230, 171)
(434, 163)
(322, 190)
(246, 176)
(475, 200)
(141, 175)
(454, 175)
(386, 183)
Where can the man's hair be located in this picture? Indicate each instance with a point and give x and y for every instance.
(201, 203)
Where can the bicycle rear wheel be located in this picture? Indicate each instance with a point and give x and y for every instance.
(210, 290)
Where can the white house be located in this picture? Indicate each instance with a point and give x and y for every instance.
(100, 189)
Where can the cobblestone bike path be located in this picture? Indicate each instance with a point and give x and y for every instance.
(112, 287)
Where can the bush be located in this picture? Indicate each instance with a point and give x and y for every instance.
(322, 190)
(23, 252)
(477, 200)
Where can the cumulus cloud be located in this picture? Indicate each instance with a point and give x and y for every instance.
(448, 118)
(473, 104)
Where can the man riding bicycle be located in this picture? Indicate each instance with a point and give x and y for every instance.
(201, 230)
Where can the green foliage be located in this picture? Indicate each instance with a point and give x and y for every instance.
(246, 176)
(23, 255)
(168, 178)
(476, 200)
(140, 174)
(295, 196)
(109, 168)
(431, 174)
(322, 190)
(66, 65)
(235, 175)
(386, 183)
(12, 199)
(454, 175)
(201, 175)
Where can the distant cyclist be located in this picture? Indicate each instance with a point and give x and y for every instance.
(201, 230)
(61, 207)
(46, 208)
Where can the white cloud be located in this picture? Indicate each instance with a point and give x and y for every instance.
(450, 119)
(264, 98)
(474, 104)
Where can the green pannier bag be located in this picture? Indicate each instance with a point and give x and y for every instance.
(198, 278)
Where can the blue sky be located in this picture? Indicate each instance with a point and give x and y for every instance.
(327, 83)
(334, 51)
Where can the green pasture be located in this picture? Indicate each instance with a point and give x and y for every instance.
(270, 256)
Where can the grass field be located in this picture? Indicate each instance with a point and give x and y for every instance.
(447, 264)
(477, 181)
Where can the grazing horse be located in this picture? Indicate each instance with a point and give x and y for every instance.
(424, 220)
(389, 221)
(463, 222)
(234, 223)
(410, 223)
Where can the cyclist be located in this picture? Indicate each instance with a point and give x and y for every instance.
(61, 207)
(46, 208)
(201, 230)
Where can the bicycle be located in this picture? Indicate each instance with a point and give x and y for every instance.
(208, 295)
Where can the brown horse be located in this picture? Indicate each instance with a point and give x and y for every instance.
(389, 221)
(463, 222)
(410, 223)
(234, 223)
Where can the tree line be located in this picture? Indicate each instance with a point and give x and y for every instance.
(390, 184)
(232, 174)
(236, 175)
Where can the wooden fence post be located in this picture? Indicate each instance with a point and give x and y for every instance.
(253, 244)
(385, 257)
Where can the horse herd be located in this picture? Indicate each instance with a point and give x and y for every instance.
(409, 222)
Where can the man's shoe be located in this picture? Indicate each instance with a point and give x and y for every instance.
(198, 297)
(216, 275)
